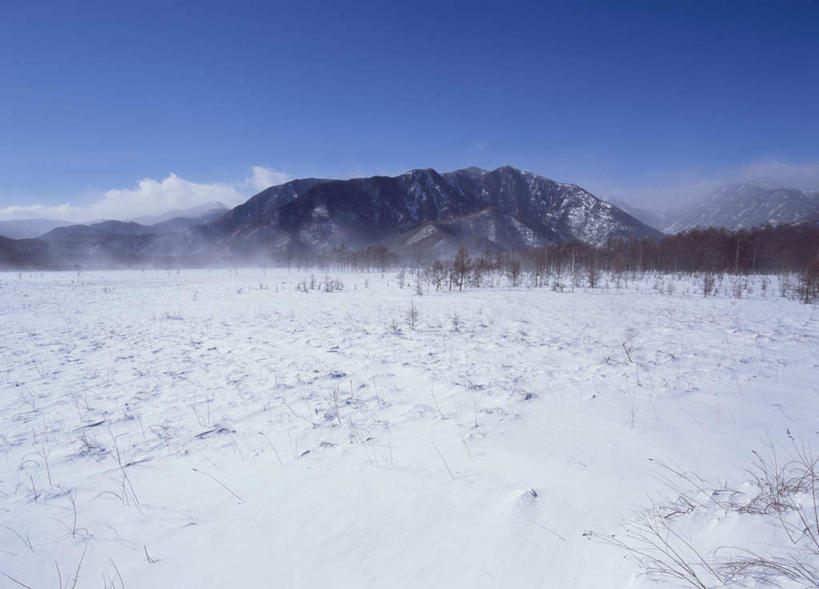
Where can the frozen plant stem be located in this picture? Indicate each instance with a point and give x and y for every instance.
(449, 470)
(147, 556)
(15, 581)
(119, 576)
(79, 566)
(25, 540)
(223, 485)
(44, 454)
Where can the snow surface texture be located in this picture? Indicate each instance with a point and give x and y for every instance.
(225, 429)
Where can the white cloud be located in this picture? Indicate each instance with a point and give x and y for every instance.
(152, 197)
(265, 178)
(63, 212)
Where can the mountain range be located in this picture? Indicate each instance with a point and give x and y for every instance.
(32, 228)
(742, 206)
(420, 213)
(28, 228)
(736, 206)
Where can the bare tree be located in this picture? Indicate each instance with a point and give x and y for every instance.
(460, 267)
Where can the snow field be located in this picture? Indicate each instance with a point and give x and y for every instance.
(223, 428)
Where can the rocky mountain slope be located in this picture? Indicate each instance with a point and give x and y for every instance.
(320, 214)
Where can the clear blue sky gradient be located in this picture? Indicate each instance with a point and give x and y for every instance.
(95, 95)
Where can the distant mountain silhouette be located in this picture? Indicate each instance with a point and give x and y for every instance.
(742, 206)
(29, 228)
(420, 213)
(208, 209)
(735, 206)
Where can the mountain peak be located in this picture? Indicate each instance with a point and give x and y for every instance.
(473, 171)
(507, 169)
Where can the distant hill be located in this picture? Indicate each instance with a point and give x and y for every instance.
(742, 206)
(209, 209)
(29, 228)
(735, 206)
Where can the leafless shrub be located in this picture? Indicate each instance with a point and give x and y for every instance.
(788, 488)
(395, 329)
(662, 551)
(456, 322)
(412, 315)
(786, 491)
(332, 285)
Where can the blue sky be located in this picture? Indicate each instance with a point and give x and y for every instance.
(649, 101)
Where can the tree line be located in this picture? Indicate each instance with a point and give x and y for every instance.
(762, 250)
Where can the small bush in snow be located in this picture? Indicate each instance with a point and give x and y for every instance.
(666, 541)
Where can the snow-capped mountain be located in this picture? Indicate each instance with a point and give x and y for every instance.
(420, 213)
(742, 206)
(320, 214)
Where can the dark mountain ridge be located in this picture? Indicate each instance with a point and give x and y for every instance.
(422, 212)
(359, 212)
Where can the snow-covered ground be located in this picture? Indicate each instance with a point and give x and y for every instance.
(225, 429)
